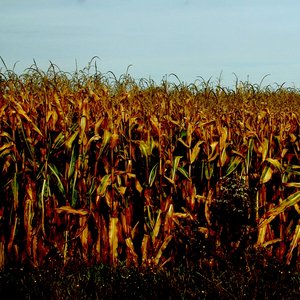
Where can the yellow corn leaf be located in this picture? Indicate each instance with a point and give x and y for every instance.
(291, 184)
(130, 246)
(144, 248)
(293, 137)
(138, 186)
(134, 230)
(238, 154)
(207, 211)
(195, 151)
(261, 115)
(114, 140)
(189, 132)
(105, 141)
(213, 153)
(84, 235)
(70, 210)
(155, 124)
(223, 137)
(98, 126)
(183, 142)
(162, 248)
(275, 211)
(156, 226)
(25, 116)
(203, 230)
(294, 243)
(121, 190)
(223, 157)
(180, 215)
(169, 179)
(266, 174)
(113, 240)
(271, 242)
(275, 163)
(284, 152)
(265, 148)
(262, 230)
(168, 224)
(71, 139)
(6, 146)
(297, 207)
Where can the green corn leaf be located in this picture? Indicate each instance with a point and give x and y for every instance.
(59, 141)
(143, 148)
(72, 167)
(249, 155)
(153, 174)
(74, 195)
(105, 182)
(233, 164)
(15, 190)
(55, 172)
(183, 172)
(175, 166)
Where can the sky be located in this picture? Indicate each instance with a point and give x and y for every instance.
(194, 39)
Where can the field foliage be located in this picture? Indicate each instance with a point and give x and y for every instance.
(114, 170)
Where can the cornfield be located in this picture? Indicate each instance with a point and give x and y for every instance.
(110, 170)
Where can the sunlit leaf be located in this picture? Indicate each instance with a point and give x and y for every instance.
(153, 174)
(274, 212)
(266, 174)
(195, 151)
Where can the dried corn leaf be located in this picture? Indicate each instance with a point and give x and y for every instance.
(113, 240)
(162, 248)
(70, 210)
(274, 212)
(294, 243)
(144, 248)
(105, 182)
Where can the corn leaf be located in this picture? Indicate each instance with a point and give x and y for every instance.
(195, 151)
(266, 174)
(233, 164)
(153, 174)
(274, 212)
(161, 249)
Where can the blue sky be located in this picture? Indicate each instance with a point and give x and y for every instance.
(190, 38)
